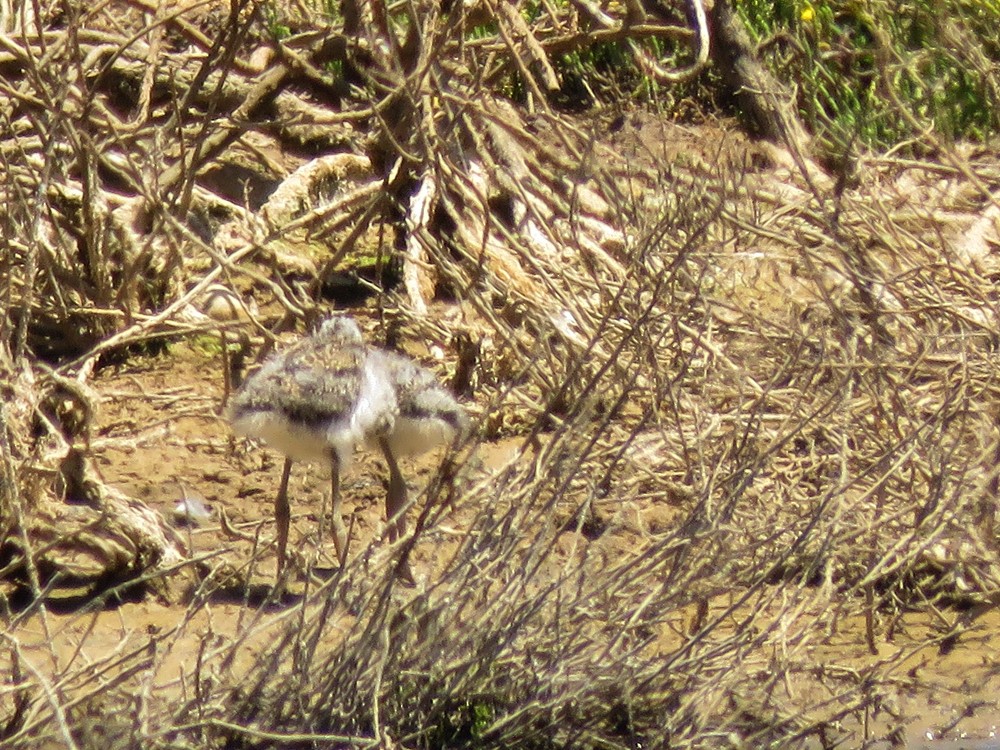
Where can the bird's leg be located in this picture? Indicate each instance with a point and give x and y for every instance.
(395, 504)
(282, 516)
(395, 500)
(340, 539)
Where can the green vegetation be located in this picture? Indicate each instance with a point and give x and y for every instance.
(276, 23)
(854, 63)
(607, 72)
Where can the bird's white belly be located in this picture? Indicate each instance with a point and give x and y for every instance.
(297, 441)
(410, 436)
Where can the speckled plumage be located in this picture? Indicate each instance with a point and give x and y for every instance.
(330, 392)
(425, 414)
(318, 394)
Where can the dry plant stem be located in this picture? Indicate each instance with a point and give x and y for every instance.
(286, 737)
(415, 277)
(176, 19)
(139, 331)
(712, 390)
(53, 699)
(657, 71)
(548, 74)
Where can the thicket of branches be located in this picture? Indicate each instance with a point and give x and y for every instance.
(799, 371)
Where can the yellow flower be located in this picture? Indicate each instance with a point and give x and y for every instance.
(807, 14)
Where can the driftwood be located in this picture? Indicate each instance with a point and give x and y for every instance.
(93, 534)
(69, 528)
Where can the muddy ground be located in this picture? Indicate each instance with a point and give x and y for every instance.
(160, 438)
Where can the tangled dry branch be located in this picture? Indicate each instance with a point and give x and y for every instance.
(750, 406)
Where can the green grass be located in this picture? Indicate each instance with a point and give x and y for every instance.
(849, 59)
